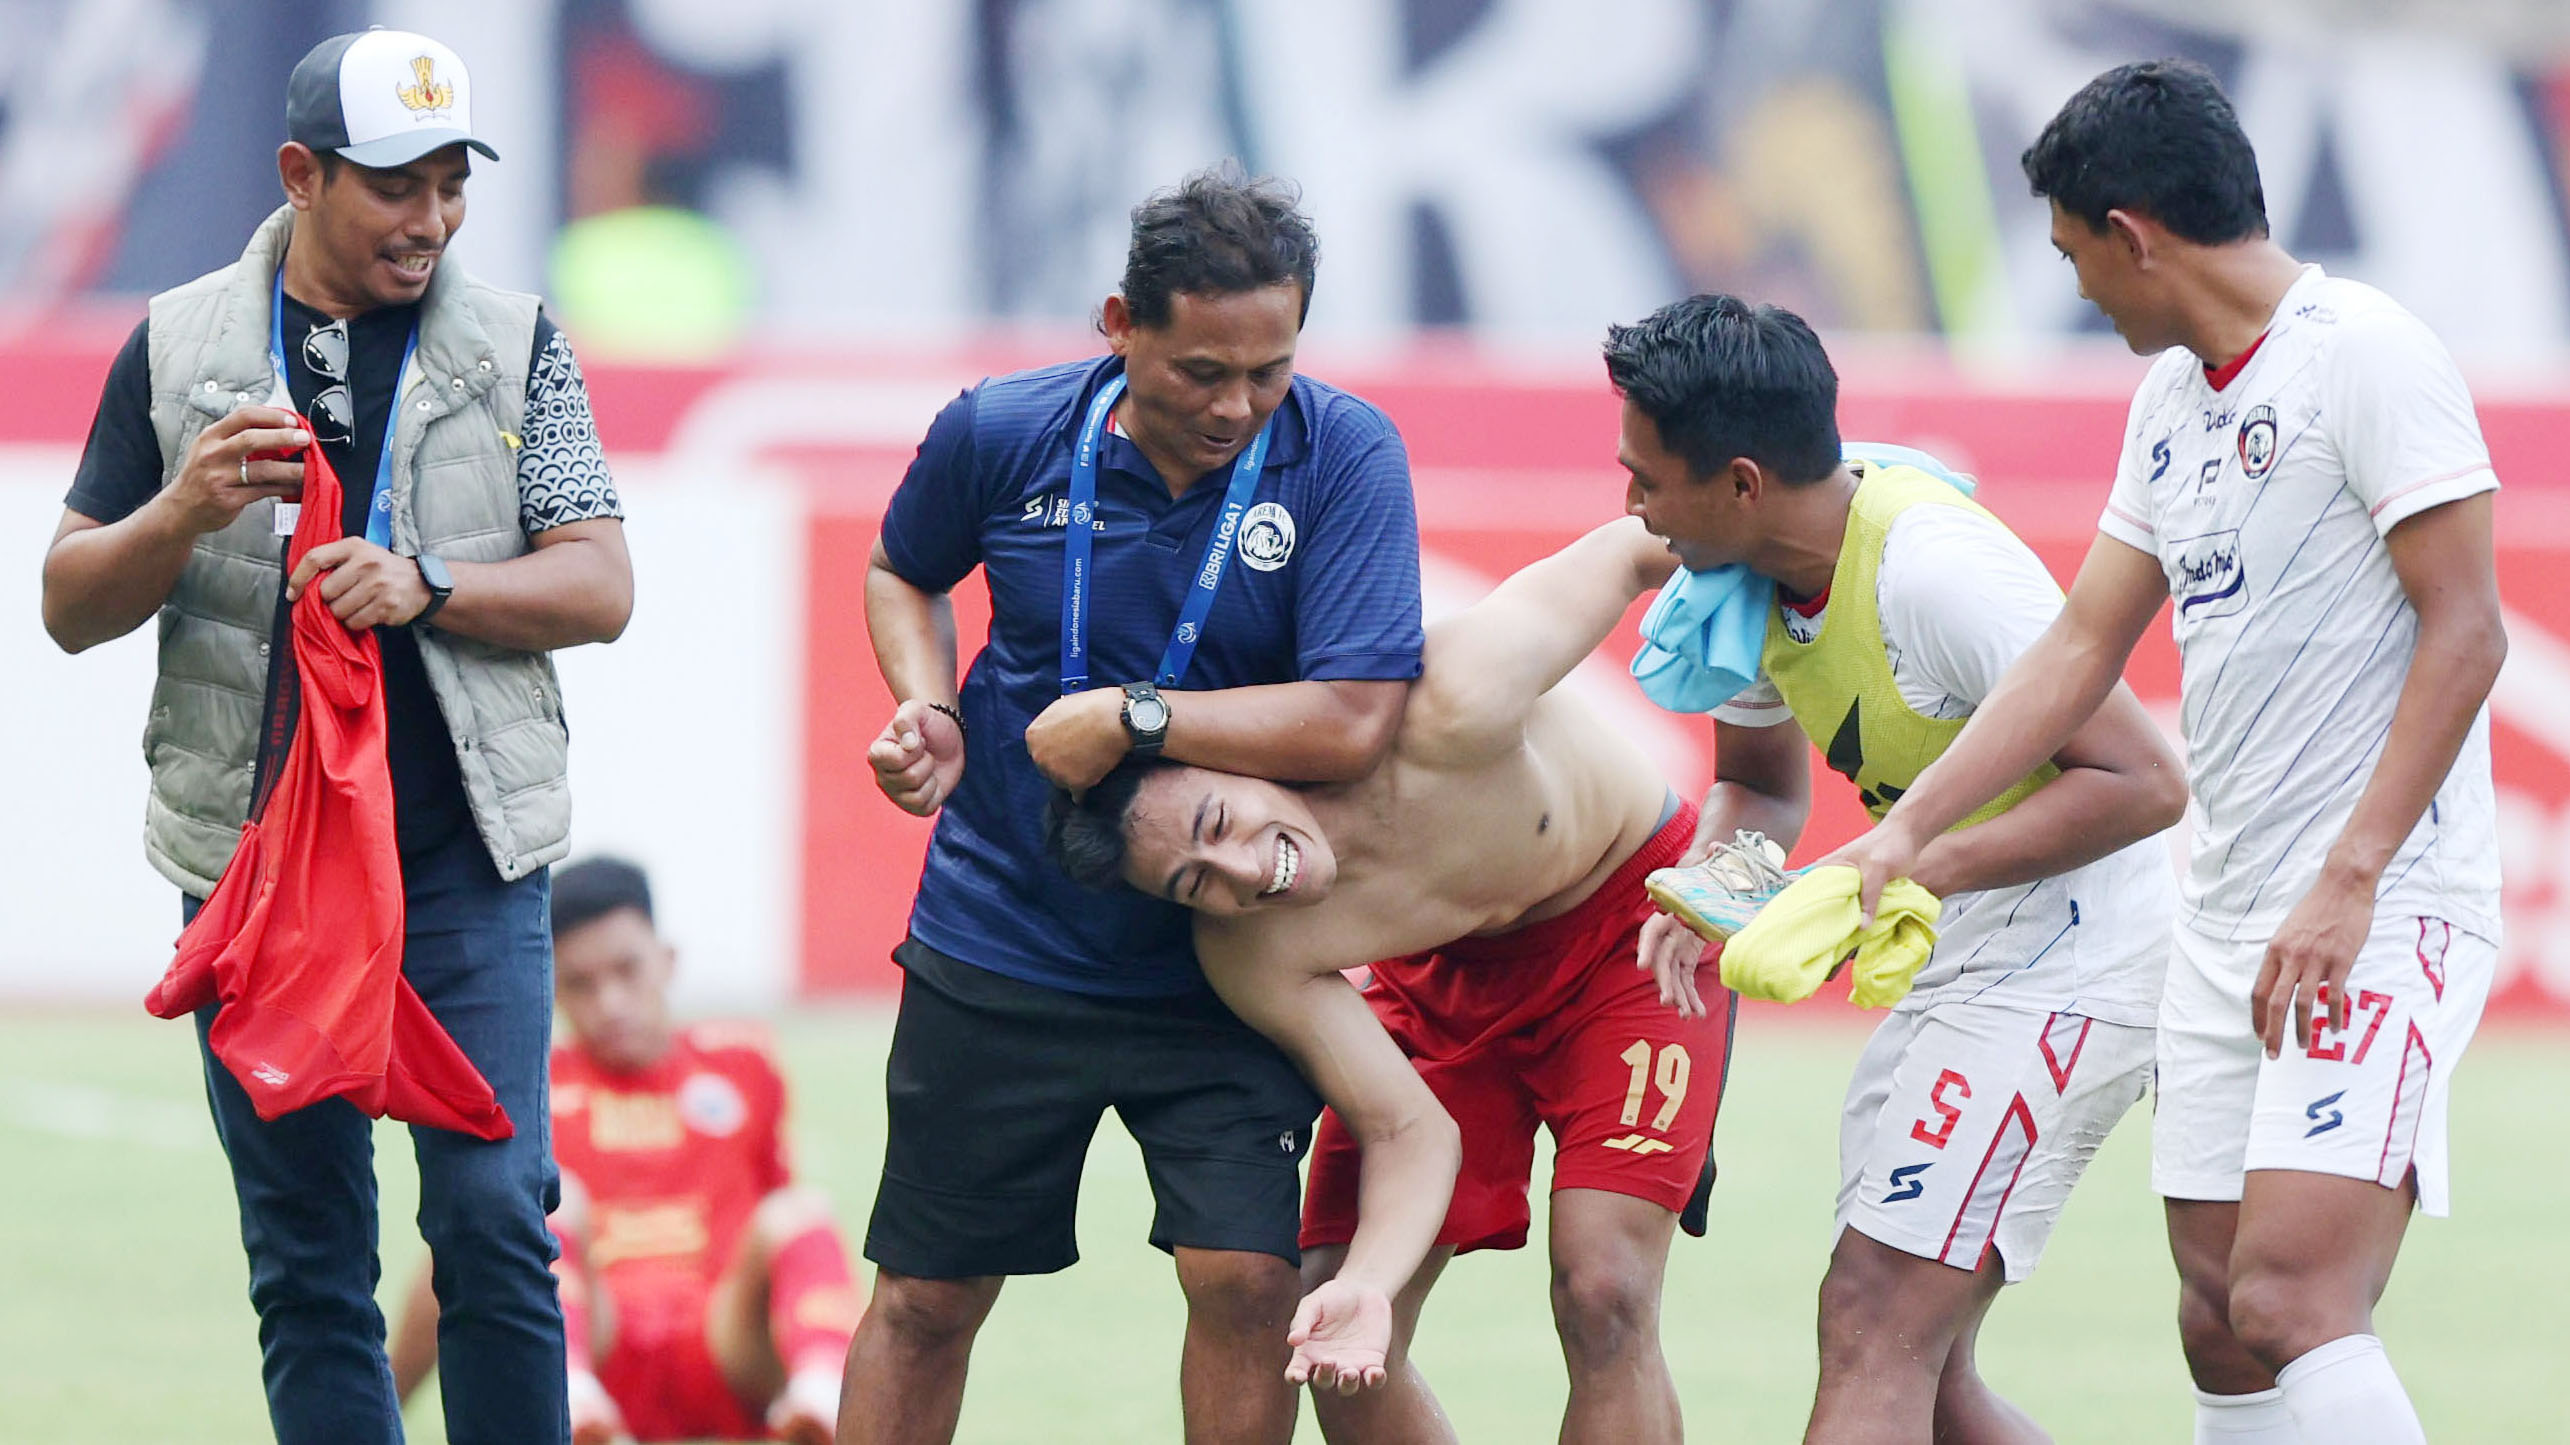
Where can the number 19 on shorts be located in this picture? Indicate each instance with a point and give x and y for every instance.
(1668, 1071)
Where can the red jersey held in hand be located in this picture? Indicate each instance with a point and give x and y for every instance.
(302, 940)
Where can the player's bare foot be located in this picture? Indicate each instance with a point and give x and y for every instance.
(808, 1412)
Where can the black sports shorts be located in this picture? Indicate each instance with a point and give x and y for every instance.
(996, 1086)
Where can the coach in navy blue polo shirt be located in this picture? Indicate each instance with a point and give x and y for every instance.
(1190, 550)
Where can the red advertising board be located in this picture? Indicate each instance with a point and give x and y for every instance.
(1509, 463)
(1509, 468)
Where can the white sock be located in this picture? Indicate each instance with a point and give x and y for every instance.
(2344, 1392)
(2253, 1419)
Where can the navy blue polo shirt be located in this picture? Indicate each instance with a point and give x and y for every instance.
(1325, 585)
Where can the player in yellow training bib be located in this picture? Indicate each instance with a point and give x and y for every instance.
(1898, 603)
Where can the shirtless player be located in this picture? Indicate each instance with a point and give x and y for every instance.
(1496, 860)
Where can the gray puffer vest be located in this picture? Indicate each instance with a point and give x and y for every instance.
(455, 441)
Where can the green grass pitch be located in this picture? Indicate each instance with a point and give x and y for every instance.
(123, 1319)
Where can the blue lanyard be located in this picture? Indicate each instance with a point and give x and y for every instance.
(379, 510)
(1077, 542)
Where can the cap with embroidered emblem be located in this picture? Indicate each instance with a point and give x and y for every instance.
(381, 98)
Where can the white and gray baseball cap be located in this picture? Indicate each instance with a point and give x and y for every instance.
(381, 98)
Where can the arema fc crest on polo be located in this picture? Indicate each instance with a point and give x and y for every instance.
(1267, 536)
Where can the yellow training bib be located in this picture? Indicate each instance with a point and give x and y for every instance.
(1840, 685)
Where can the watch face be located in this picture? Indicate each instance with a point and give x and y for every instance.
(1149, 714)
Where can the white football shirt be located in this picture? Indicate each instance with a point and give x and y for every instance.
(1960, 599)
(2267, 503)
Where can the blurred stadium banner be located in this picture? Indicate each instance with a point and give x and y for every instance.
(722, 740)
(683, 170)
(765, 221)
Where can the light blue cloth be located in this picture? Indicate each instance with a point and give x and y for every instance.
(1703, 635)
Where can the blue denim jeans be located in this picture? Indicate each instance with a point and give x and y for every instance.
(479, 952)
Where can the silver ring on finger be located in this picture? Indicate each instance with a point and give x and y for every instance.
(245, 471)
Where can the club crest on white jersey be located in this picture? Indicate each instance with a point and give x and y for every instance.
(2258, 442)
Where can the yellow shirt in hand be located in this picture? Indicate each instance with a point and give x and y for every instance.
(1803, 933)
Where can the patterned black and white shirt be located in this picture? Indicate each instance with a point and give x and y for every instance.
(562, 473)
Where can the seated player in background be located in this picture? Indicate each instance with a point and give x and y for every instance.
(2027, 1034)
(704, 1294)
(1490, 870)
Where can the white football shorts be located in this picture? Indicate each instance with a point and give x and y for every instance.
(1967, 1124)
(2366, 1101)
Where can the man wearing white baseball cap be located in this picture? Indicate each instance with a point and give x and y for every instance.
(480, 530)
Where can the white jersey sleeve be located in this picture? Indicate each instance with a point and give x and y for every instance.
(2130, 517)
(2401, 419)
(1759, 705)
(1961, 600)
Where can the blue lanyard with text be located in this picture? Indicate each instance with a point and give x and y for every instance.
(379, 509)
(1077, 542)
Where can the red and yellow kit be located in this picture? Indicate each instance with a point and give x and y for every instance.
(675, 1158)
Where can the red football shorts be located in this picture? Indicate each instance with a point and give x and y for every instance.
(662, 1374)
(1551, 1024)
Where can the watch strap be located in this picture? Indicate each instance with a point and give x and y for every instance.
(440, 583)
(1146, 742)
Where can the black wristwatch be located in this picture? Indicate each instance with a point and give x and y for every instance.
(441, 584)
(1146, 718)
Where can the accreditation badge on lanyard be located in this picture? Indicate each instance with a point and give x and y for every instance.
(1078, 541)
(379, 507)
